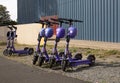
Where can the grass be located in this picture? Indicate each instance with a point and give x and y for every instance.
(101, 56)
(2, 43)
(112, 52)
(61, 50)
(86, 51)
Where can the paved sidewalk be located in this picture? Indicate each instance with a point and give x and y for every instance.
(14, 72)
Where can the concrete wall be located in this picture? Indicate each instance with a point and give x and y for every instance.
(3, 32)
(27, 33)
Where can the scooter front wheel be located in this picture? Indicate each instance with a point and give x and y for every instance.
(64, 65)
(30, 51)
(52, 61)
(5, 52)
(92, 60)
(40, 60)
(35, 59)
(61, 54)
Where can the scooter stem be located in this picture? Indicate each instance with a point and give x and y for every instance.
(45, 41)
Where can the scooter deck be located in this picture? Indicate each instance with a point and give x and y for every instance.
(20, 52)
(79, 62)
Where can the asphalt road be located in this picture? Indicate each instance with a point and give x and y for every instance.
(14, 72)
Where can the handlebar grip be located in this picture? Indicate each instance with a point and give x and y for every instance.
(77, 21)
(37, 22)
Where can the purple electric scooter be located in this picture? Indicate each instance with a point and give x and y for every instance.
(46, 32)
(40, 36)
(44, 57)
(26, 50)
(6, 52)
(56, 57)
(68, 61)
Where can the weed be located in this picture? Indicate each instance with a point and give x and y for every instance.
(117, 56)
(101, 56)
(74, 50)
(88, 52)
(61, 50)
(112, 52)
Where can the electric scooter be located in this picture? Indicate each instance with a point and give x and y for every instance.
(68, 61)
(60, 33)
(40, 36)
(40, 54)
(26, 50)
(44, 57)
(5, 52)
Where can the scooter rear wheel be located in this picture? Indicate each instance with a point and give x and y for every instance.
(30, 51)
(92, 60)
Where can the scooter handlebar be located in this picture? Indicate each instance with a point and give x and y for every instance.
(40, 21)
(70, 20)
(59, 20)
(47, 22)
(9, 27)
(14, 27)
(77, 21)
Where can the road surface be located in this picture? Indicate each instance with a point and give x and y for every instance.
(14, 72)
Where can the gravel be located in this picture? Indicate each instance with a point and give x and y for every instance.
(101, 73)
